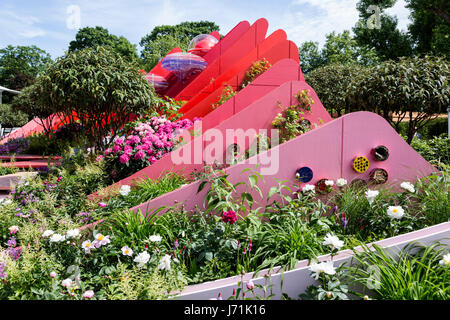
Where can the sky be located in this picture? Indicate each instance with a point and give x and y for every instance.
(52, 24)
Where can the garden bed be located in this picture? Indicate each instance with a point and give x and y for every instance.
(295, 282)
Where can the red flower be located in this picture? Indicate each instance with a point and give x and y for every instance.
(229, 217)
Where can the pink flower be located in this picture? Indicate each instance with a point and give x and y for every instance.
(99, 158)
(88, 294)
(119, 140)
(116, 148)
(108, 151)
(102, 204)
(229, 217)
(133, 140)
(52, 274)
(250, 285)
(128, 149)
(124, 158)
(139, 155)
(152, 159)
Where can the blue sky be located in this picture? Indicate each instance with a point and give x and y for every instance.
(44, 23)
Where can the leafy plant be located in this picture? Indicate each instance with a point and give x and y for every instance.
(412, 274)
(257, 68)
(291, 121)
(227, 93)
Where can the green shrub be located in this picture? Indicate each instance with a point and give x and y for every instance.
(431, 129)
(10, 118)
(435, 150)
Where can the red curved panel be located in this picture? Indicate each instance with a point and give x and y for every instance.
(245, 43)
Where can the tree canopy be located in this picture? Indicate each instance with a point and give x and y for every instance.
(430, 27)
(89, 37)
(386, 39)
(20, 65)
(100, 86)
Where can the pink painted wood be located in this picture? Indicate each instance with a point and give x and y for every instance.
(323, 151)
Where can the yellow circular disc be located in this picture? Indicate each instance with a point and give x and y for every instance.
(361, 164)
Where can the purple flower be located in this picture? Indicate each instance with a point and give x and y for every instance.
(12, 242)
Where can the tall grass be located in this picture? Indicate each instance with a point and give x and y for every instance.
(413, 274)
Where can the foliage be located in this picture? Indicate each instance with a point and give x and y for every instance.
(431, 129)
(339, 49)
(396, 87)
(10, 118)
(413, 274)
(257, 68)
(387, 41)
(430, 26)
(227, 93)
(331, 83)
(289, 121)
(27, 102)
(95, 84)
(163, 38)
(20, 65)
(435, 150)
(88, 37)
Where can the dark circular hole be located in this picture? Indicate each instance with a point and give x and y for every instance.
(305, 174)
(381, 153)
(321, 187)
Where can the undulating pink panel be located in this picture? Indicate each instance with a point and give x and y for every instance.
(321, 150)
(358, 140)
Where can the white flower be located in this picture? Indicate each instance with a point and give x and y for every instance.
(125, 190)
(13, 229)
(309, 188)
(88, 294)
(57, 238)
(341, 182)
(48, 233)
(164, 263)
(142, 258)
(333, 241)
(5, 202)
(445, 260)
(155, 238)
(395, 212)
(87, 246)
(325, 267)
(73, 233)
(126, 251)
(52, 274)
(329, 183)
(67, 283)
(100, 240)
(408, 186)
(371, 195)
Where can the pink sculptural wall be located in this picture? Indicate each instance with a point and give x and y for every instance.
(327, 150)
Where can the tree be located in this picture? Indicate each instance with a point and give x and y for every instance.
(163, 38)
(20, 65)
(310, 56)
(414, 88)
(385, 39)
(99, 87)
(430, 27)
(331, 83)
(92, 37)
(339, 48)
